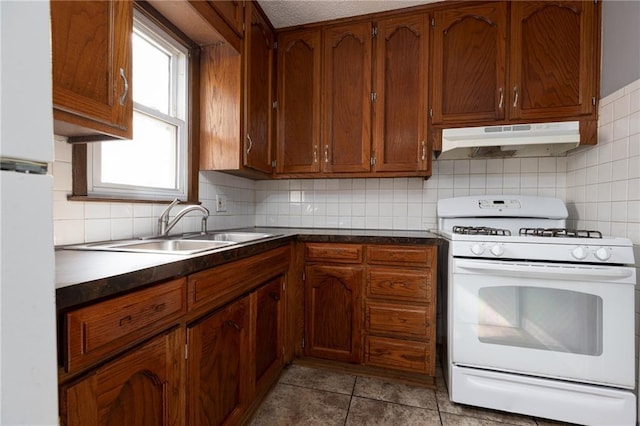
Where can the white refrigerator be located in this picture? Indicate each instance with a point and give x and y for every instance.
(28, 366)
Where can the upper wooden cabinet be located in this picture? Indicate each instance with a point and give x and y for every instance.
(374, 99)
(553, 65)
(259, 67)
(299, 76)
(550, 51)
(91, 50)
(232, 12)
(469, 63)
(347, 98)
(400, 107)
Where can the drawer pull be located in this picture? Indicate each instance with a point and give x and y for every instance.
(125, 320)
(233, 324)
(159, 308)
(274, 296)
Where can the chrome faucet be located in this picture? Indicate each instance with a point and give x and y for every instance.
(164, 225)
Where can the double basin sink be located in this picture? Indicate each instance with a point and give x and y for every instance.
(184, 245)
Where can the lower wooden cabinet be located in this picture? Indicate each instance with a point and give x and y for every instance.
(218, 382)
(197, 351)
(143, 387)
(371, 304)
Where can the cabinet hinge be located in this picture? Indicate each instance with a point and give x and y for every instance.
(284, 286)
(374, 31)
(372, 161)
(304, 276)
(593, 101)
(430, 112)
(303, 342)
(273, 164)
(186, 351)
(433, 22)
(243, 27)
(374, 96)
(275, 44)
(274, 105)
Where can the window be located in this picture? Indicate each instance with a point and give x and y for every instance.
(154, 165)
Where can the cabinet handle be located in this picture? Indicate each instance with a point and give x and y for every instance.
(326, 153)
(126, 86)
(250, 143)
(233, 324)
(515, 96)
(315, 153)
(424, 151)
(275, 296)
(159, 308)
(125, 320)
(501, 102)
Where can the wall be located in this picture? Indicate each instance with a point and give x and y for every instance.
(620, 52)
(402, 203)
(77, 222)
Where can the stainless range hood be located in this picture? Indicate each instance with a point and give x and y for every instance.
(517, 140)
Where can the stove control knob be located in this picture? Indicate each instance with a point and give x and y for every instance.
(579, 252)
(603, 253)
(477, 249)
(497, 250)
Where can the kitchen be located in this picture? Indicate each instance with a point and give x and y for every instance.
(600, 185)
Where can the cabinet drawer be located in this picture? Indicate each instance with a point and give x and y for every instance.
(341, 253)
(100, 329)
(399, 354)
(401, 284)
(399, 320)
(400, 255)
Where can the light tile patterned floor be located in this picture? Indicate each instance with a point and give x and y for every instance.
(310, 396)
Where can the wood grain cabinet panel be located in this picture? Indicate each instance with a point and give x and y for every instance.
(346, 133)
(400, 255)
(339, 253)
(550, 79)
(399, 284)
(400, 106)
(259, 57)
(299, 76)
(103, 328)
(550, 49)
(333, 312)
(144, 387)
(268, 336)
(469, 63)
(217, 366)
(398, 320)
(91, 64)
(232, 12)
(400, 354)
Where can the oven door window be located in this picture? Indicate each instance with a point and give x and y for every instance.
(541, 318)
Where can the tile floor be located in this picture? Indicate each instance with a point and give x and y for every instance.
(310, 396)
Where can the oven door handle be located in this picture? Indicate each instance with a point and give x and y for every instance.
(548, 271)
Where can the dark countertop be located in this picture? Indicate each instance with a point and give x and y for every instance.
(88, 276)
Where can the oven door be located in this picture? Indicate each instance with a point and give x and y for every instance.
(574, 322)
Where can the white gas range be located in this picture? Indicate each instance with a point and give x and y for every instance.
(540, 319)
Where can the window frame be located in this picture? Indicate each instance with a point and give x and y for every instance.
(80, 154)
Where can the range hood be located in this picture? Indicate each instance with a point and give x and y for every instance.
(517, 140)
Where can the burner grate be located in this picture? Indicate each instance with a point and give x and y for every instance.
(560, 232)
(480, 230)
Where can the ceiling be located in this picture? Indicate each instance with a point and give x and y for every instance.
(287, 13)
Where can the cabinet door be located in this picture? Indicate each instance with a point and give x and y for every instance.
(401, 86)
(231, 12)
(217, 373)
(299, 55)
(333, 310)
(258, 93)
(268, 332)
(553, 66)
(469, 59)
(141, 388)
(346, 131)
(91, 51)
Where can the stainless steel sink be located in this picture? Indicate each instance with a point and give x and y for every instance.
(233, 237)
(157, 246)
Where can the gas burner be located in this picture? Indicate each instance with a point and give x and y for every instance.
(560, 232)
(479, 230)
